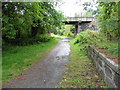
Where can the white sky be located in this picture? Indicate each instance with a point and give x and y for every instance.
(69, 8)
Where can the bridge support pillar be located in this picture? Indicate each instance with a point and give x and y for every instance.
(76, 30)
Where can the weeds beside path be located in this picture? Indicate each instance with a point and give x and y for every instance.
(81, 71)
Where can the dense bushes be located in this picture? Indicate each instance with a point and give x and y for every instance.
(43, 37)
(107, 14)
(67, 30)
(96, 38)
(109, 19)
(26, 41)
(89, 37)
(114, 49)
(28, 21)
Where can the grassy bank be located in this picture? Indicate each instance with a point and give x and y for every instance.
(81, 72)
(16, 59)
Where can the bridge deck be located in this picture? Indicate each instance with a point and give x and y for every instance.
(80, 18)
(74, 20)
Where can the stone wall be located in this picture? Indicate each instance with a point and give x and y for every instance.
(107, 68)
(85, 26)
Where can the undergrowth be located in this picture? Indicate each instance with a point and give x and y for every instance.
(96, 38)
(27, 41)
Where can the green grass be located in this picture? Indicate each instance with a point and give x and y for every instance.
(114, 48)
(110, 47)
(17, 59)
(81, 72)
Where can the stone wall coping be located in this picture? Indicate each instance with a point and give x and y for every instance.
(108, 61)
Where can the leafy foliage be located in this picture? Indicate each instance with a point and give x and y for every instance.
(98, 39)
(109, 19)
(108, 16)
(88, 38)
(91, 8)
(114, 49)
(67, 30)
(24, 20)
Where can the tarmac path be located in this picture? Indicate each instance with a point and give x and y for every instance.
(47, 73)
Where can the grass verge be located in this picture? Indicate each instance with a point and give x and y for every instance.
(81, 72)
(17, 59)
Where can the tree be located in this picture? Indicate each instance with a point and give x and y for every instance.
(91, 7)
(26, 20)
(109, 19)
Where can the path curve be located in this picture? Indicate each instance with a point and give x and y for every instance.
(48, 72)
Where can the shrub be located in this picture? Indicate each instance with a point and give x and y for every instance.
(114, 49)
(70, 34)
(96, 38)
(26, 41)
(43, 38)
(89, 37)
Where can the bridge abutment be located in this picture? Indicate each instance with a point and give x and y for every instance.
(76, 30)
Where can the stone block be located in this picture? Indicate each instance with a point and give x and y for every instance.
(109, 82)
(100, 62)
(101, 72)
(108, 71)
(106, 68)
(117, 80)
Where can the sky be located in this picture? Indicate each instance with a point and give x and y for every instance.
(70, 7)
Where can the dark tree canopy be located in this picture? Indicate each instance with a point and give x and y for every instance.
(24, 20)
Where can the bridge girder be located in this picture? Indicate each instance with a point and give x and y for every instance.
(76, 22)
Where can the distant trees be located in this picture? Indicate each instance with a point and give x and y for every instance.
(77, 15)
(91, 8)
(27, 20)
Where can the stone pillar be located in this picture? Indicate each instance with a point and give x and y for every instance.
(76, 30)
